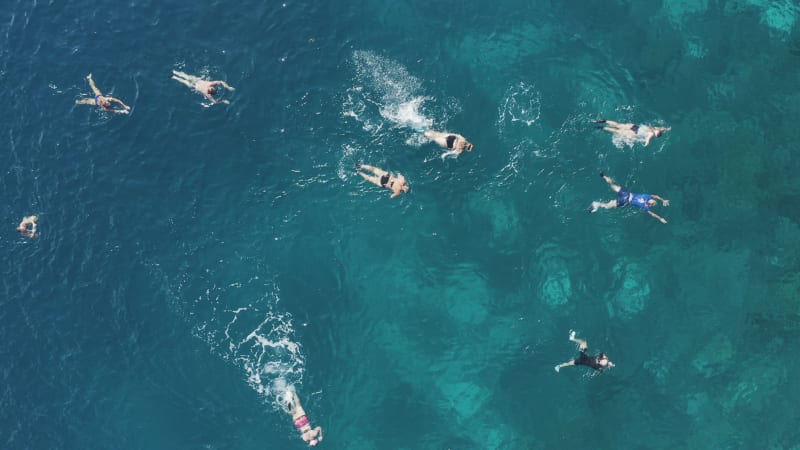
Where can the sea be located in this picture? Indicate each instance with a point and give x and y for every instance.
(196, 262)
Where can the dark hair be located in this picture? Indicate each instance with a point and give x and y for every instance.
(212, 90)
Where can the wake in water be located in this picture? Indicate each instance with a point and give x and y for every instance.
(256, 335)
(520, 108)
(268, 352)
(384, 86)
(385, 96)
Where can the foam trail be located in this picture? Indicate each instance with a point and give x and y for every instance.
(268, 353)
(521, 107)
(386, 86)
(258, 336)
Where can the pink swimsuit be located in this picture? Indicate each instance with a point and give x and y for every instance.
(301, 421)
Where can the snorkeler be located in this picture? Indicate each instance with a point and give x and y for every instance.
(597, 362)
(642, 201)
(207, 88)
(397, 184)
(311, 435)
(630, 132)
(27, 227)
(455, 142)
(103, 101)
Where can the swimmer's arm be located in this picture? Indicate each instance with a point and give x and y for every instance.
(121, 103)
(449, 153)
(648, 139)
(223, 84)
(661, 219)
(214, 100)
(396, 194)
(664, 202)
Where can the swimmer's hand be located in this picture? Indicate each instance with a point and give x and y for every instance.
(663, 220)
(665, 202)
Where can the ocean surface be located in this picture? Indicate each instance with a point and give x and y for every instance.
(197, 261)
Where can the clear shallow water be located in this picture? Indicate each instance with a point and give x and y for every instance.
(193, 261)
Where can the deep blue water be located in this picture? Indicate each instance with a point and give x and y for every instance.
(195, 261)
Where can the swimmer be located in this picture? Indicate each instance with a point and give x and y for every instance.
(597, 362)
(207, 88)
(300, 419)
(642, 201)
(103, 101)
(631, 132)
(382, 178)
(27, 227)
(455, 142)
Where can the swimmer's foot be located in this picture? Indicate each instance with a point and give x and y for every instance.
(558, 367)
(358, 167)
(602, 174)
(600, 121)
(595, 206)
(572, 334)
(89, 77)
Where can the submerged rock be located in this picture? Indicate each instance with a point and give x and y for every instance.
(633, 292)
(555, 288)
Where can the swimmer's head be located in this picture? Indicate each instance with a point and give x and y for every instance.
(602, 359)
(211, 90)
(651, 202)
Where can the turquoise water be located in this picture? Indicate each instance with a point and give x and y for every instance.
(194, 262)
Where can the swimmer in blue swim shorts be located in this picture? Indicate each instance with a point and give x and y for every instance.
(103, 101)
(641, 201)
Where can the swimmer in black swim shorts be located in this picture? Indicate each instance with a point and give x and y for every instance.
(397, 184)
(597, 362)
(631, 132)
(456, 143)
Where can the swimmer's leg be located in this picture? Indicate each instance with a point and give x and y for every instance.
(85, 101)
(93, 86)
(184, 75)
(568, 363)
(582, 345)
(372, 179)
(610, 182)
(612, 124)
(607, 205)
(188, 84)
(375, 170)
(288, 397)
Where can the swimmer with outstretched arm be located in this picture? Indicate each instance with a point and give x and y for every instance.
(456, 143)
(205, 87)
(379, 177)
(642, 201)
(312, 436)
(102, 101)
(27, 227)
(597, 362)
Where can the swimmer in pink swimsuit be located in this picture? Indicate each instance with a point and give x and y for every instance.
(311, 435)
